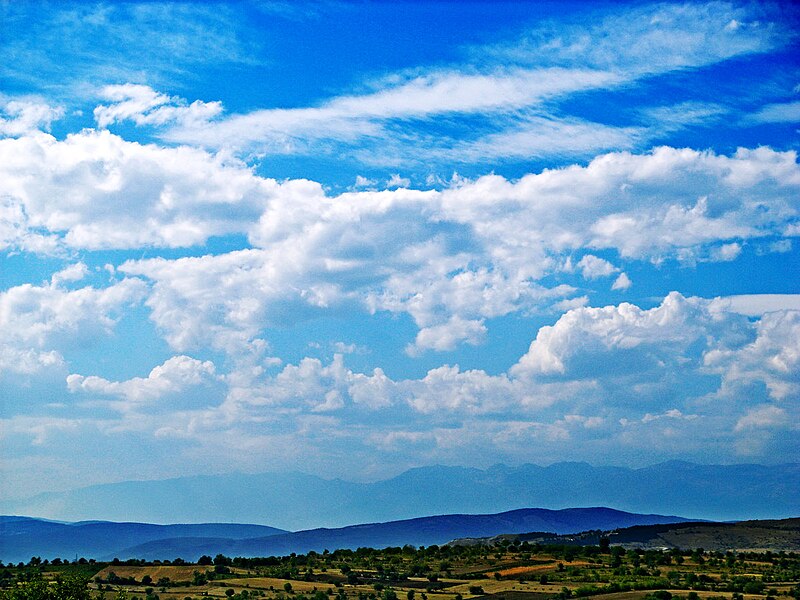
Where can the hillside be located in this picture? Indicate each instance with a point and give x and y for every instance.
(417, 532)
(751, 536)
(23, 538)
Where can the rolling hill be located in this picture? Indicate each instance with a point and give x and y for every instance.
(755, 536)
(24, 538)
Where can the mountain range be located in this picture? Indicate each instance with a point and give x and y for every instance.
(293, 501)
(22, 537)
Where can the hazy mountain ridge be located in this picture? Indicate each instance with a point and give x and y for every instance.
(292, 500)
(423, 531)
(23, 537)
(18, 543)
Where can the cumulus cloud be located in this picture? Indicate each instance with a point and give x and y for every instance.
(622, 282)
(452, 259)
(95, 190)
(726, 252)
(448, 335)
(623, 329)
(74, 272)
(175, 375)
(772, 358)
(634, 204)
(22, 116)
(397, 181)
(37, 321)
(761, 417)
(568, 389)
(593, 267)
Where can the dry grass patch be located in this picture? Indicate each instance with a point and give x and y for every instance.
(175, 573)
(516, 571)
(264, 583)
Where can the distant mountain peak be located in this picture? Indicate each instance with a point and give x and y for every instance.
(289, 500)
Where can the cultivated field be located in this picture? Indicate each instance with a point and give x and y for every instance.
(506, 571)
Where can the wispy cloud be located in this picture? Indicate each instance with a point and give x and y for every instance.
(517, 88)
(99, 42)
(786, 112)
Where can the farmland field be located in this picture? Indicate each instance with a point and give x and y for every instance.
(504, 571)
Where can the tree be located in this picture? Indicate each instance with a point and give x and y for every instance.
(754, 587)
(64, 588)
(205, 560)
(389, 594)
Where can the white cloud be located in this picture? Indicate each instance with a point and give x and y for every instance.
(788, 112)
(449, 388)
(623, 282)
(726, 252)
(670, 327)
(70, 47)
(144, 106)
(517, 82)
(396, 181)
(772, 358)
(635, 204)
(570, 303)
(604, 387)
(781, 246)
(95, 190)
(672, 413)
(529, 137)
(364, 182)
(684, 114)
(764, 416)
(36, 322)
(74, 272)
(650, 39)
(593, 267)
(451, 259)
(175, 375)
(22, 116)
(346, 118)
(448, 335)
(475, 251)
(755, 305)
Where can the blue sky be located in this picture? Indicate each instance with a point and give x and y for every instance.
(353, 238)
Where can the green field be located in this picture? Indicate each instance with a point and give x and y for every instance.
(505, 571)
